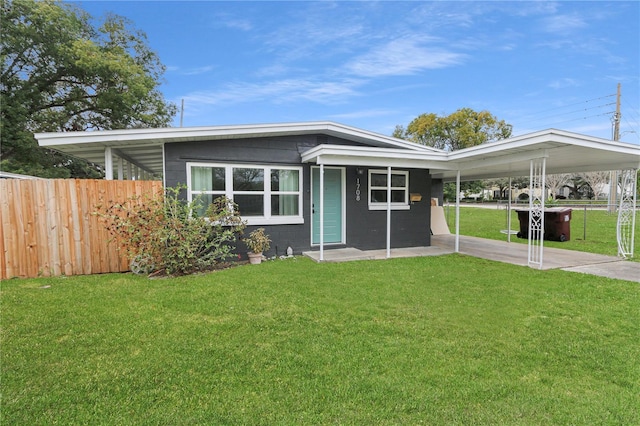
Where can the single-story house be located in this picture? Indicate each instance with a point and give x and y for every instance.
(318, 185)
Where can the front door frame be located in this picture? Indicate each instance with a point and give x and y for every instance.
(343, 190)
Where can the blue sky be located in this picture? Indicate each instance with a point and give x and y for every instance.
(375, 65)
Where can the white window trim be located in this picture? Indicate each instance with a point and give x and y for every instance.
(394, 206)
(267, 218)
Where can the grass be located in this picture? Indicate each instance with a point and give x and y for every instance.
(443, 340)
(600, 229)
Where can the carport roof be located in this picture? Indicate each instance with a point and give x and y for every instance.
(564, 151)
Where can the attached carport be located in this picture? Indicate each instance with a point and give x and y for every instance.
(550, 152)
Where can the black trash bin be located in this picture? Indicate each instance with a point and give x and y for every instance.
(557, 224)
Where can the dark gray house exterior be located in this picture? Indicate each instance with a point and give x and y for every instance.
(275, 189)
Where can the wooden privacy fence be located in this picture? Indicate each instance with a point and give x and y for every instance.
(47, 226)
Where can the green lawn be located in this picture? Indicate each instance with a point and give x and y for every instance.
(599, 230)
(440, 341)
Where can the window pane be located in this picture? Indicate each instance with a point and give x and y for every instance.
(378, 179)
(398, 181)
(397, 196)
(207, 178)
(284, 205)
(203, 201)
(379, 196)
(250, 205)
(284, 180)
(248, 179)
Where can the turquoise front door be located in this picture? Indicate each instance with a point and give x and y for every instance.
(332, 205)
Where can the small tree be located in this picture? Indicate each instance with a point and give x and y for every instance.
(597, 181)
(556, 181)
(162, 233)
(575, 183)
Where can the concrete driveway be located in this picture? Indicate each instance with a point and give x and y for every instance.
(499, 251)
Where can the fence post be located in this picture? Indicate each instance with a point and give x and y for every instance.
(584, 227)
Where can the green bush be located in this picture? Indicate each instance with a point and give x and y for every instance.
(161, 233)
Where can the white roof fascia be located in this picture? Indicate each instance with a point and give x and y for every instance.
(9, 175)
(371, 156)
(534, 141)
(183, 134)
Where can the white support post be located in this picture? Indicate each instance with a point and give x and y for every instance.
(129, 171)
(108, 163)
(136, 172)
(388, 212)
(120, 168)
(625, 229)
(457, 240)
(509, 213)
(536, 211)
(321, 212)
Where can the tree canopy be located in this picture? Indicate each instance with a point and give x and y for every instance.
(461, 129)
(62, 73)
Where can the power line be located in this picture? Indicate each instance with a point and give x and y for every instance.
(575, 111)
(545, 111)
(631, 109)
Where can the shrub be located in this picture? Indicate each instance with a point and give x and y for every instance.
(258, 241)
(161, 233)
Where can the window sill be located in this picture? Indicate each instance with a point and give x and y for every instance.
(393, 207)
(285, 220)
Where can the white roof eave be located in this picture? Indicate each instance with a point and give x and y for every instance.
(565, 151)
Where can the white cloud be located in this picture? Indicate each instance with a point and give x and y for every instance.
(198, 70)
(563, 24)
(364, 114)
(563, 83)
(239, 24)
(281, 91)
(404, 56)
(227, 20)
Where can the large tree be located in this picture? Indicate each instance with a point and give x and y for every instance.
(60, 72)
(461, 129)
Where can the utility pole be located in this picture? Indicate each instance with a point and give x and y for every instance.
(613, 175)
(182, 108)
(616, 118)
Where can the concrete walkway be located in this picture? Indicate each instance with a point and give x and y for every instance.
(500, 251)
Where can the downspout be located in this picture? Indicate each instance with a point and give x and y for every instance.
(321, 212)
(388, 212)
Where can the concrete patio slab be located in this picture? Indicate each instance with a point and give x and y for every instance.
(350, 254)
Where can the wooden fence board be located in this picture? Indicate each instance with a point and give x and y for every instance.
(48, 227)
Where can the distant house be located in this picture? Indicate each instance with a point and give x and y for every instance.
(323, 184)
